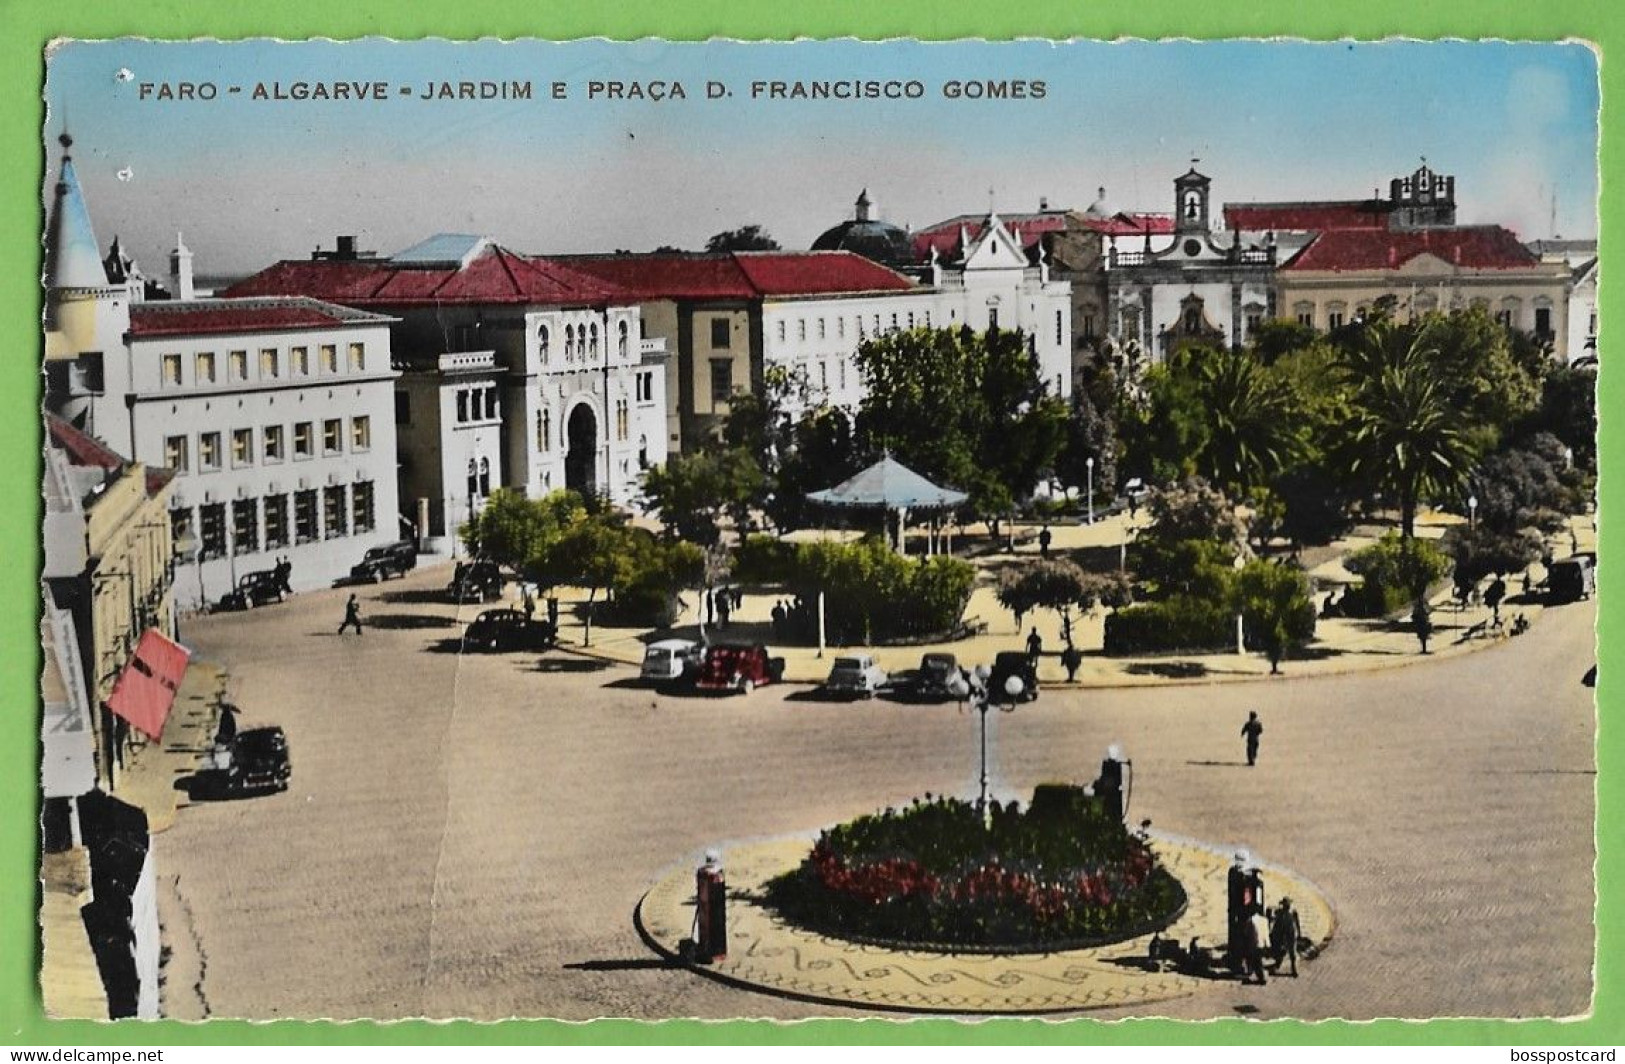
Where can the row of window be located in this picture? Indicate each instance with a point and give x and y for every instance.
(820, 327)
(581, 341)
(1507, 316)
(247, 526)
(272, 440)
(476, 404)
(206, 368)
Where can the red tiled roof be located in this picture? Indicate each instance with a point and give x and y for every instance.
(211, 316)
(738, 275)
(1031, 228)
(1124, 224)
(1486, 247)
(1314, 217)
(83, 449)
(496, 275)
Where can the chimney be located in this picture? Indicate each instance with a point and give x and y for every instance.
(346, 248)
(1043, 203)
(180, 271)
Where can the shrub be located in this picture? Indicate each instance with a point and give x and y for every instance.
(1183, 623)
(935, 874)
(764, 560)
(873, 594)
(1394, 573)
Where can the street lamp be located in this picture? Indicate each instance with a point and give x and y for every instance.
(974, 688)
(1472, 513)
(1089, 466)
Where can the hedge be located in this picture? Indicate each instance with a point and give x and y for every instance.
(1178, 623)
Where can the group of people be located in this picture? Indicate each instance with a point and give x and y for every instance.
(721, 602)
(283, 572)
(1257, 930)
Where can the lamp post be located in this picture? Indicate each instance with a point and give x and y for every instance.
(1472, 513)
(1089, 467)
(974, 688)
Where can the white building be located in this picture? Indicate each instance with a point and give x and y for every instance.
(277, 415)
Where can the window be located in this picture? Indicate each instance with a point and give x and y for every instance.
(722, 379)
(894, 322)
(335, 515)
(623, 419)
(1193, 320)
(361, 433)
(646, 387)
(362, 518)
(242, 447)
(272, 436)
(208, 451)
(569, 342)
(304, 440)
(1334, 319)
(180, 523)
(304, 517)
(332, 436)
(300, 357)
(237, 365)
(358, 357)
(403, 408)
(842, 364)
(911, 319)
(205, 367)
(270, 367)
(821, 328)
(1305, 313)
(276, 521)
(1543, 321)
(592, 340)
(1254, 322)
(719, 333)
(840, 328)
(781, 332)
(543, 340)
(212, 529)
(245, 526)
(622, 340)
(993, 318)
(492, 410)
(330, 358)
(544, 429)
(1058, 338)
(462, 407)
(172, 370)
(175, 456)
(1088, 326)
(823, 375)
(485, 477)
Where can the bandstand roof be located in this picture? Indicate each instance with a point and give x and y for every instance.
(891, 485)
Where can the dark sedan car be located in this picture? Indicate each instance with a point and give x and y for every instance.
(1013, 663)
(509, 630)
(255, 761)
(254, 589)
(936, 672)
(476, 581)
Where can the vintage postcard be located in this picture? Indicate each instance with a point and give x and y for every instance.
(724, 530)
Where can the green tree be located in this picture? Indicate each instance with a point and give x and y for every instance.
(1279, 337)
(598, 552)
(693, 492)
(1476, 552)
(967, 410)
(1273, 600)
(1568, 410)
(1251, 415)
(1163, 426)
(1393, 571)
(1404, 437)
(746, 238)
(511, 529)
(1059, 585)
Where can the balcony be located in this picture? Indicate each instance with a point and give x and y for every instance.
(456, 362)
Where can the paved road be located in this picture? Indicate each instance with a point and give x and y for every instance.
(467, 835)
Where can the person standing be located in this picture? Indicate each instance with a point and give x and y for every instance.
(1251, 731)
(284, 570)
(1284, 935)
(1255, 934)
(352, 615)
(1035, 647)
(1044, 540)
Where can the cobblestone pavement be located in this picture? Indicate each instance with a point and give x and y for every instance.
(767, 954)
(468, 835)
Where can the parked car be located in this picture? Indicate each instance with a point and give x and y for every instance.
(738, 668)
(508, 629)
(671, 660)
(254, 589)
(476, 581)
(855, 676)
(1010, 663)
(380, 562)
(931, 680)
(255, 761)
(1572, 579)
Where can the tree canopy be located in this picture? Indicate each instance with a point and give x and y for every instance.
(751, 237)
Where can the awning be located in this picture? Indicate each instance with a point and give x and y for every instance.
(145, 690)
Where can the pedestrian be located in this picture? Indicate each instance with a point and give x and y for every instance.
(739, 599)
(352, 615)
(710, 606)
(1493, 598)
(1251, 731)
(778, 620)
(724, 607)
(529, 602)
(1254, 934)
(1071, 661)
(284, 570)
(1035, 646)
(1044, 540)
(227, 729)
(1284, 934)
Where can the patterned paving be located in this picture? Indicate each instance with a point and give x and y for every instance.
(769, 955)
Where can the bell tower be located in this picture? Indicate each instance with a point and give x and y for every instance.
(1191, 201)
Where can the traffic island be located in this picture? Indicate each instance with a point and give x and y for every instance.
(768, 954)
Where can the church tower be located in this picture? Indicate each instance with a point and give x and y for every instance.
(86, 315)
(180, 271)
(1191, 202)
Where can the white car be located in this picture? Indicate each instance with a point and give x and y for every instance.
(855, 677)
(670, 660)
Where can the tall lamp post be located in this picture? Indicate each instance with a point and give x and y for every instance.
(974, 688)
(1472, 513)
(1089, 467)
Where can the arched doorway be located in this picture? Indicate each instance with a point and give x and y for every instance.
(581, 454)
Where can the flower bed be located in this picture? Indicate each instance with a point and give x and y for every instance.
(1060, 874)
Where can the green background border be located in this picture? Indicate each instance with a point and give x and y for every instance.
(29, 24)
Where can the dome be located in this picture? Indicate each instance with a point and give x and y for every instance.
(875, 240)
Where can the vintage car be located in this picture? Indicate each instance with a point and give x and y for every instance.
(1010, 663)
(255, 761)
(671, 660)
(254, 589)
(1572, 579)
(932, 679)
(738, 668)
(854, 676)
(379, 563)
(508, 629)
(476, 581)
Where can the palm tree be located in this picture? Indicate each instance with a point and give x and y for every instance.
(1404, 436)
(1252, 420)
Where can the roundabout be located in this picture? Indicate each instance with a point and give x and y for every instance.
(771, 956)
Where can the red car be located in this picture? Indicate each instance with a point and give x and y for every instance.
(738, 668)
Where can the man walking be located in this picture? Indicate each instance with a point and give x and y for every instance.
(1044, 540)
(1251, 731)
(352, 615)
(1284, 935)
(1035, 647)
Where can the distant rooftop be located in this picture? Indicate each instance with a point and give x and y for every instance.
(451, 251)
(198, 317)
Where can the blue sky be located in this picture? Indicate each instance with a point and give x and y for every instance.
(251, 182)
